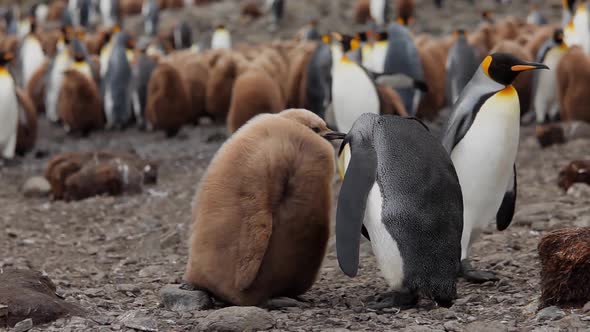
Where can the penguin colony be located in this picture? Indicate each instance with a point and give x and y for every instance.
(415, 197)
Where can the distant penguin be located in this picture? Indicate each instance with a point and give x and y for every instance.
(109, 11)
(37, 87)
(106, 50)
(405, 11)
(27, 123)
(312, 33)
(380, 11)
(79, 104)
(374, 60)
(401, 191)
(402, 58)
(246, 251)
(487, 17)
(462, 63)
(221, 38)
(219, 87)
(10, 109)
(277, 8)
(183, 36)
(151, 16)
(567, 12)
(353, 90)
(546, 101)
(319, 80)
(167, 107)
(32, 56)
(59, 64)
(142, 71)
(573, 76)
(117, 83)
(535, 16)
(40, 11)
(482, 137)
(581, 22)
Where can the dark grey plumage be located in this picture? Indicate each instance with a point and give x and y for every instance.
(151, 16)
(183, 36)
(117, 85)
(462, 63)
(142, 71)
(319, 80)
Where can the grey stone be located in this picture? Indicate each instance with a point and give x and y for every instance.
(531, 308)
(23, 325)
(283, 302)
(175, 299)
(585, 309)
(37, 186)
(550, 313)
(452, 327)
(579, 190)
(238, 319)
(138, 320)
(3, 310)
(486, 327)
(576, 130)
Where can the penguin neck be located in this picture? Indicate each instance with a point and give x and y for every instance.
(4, 72)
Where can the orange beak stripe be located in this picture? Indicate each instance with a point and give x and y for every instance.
(522, 67)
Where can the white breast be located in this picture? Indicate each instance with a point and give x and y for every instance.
(379, 52)
(8, 113)
(221, 39)
(105, 55)
(32, 57)
(62, 62)
(377, 8)
(546, 101)
(385, 248)
(582, 29)
(484, 160)
(353, 94)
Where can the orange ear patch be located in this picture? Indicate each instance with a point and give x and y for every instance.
(485, 65)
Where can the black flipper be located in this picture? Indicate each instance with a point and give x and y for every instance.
(358, 181)
(365, 233)
(506, 212)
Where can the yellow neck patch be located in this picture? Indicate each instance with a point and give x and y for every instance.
(485, 65)
(507, 92)
(3, 71)
(345, 59)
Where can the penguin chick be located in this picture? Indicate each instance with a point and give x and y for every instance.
(167, 101)
(391, 102)
(415, 234)
(362, 11)
(27, 123)
(254, 93)
(573, 75)
(79, 105)
(535, 16)
(219, 86)
(37, 87)
(482, 138)
(263, 232)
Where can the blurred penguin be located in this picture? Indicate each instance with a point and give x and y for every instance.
(59, 64)
(311, 31)
(462, 63)
(319, 79)
(380, 11)
(535, 16)
(106, 50)
(117, 83)
(276, 8)
(221, 38)
(182, 35)
(142, 71)
(31, 53)
(581, 22)
(9, 110)
(151, 16)
(109, 11)
(546, 101)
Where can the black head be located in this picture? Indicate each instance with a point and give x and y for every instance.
(459, 33)
(568, 4)
(558, 36)
(362, 36)
(504, 68)
(348, 42)
(5, 58)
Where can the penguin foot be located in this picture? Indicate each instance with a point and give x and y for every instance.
(474, 276)
(396, 299)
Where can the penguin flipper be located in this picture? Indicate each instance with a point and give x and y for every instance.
(358, 181)
(254, 237)
(506, 212)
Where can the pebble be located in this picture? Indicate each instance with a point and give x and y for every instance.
(238, 319)
(138, 320)
(175, 299)
(550, 313)
(586, 307)
(283, 302)
(579, 190)
(23, 325)
(452, 327)
(486, 327)
(36, 186)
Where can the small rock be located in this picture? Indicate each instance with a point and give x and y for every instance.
(576, 130)
(550, 313)
(139, 321)
(23, 325)
(585, 309)
(150, 271)
(37, 186)
(175, 299)
(283, 302)
(128, 288)
(238, 319)
(452, 327)
(486, 327)
(531, 308)
(3, 310)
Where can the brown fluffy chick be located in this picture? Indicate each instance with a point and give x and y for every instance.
(261, 215)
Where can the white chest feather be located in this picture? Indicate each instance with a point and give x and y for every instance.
(379, 52)
(8, 111)
(484, 159)
(546, 101)
(385, 248)
(221, 39)
(105, 55)
(32, 57)
(353, 94)
(83, 67)
(377, 8)
(582, 29)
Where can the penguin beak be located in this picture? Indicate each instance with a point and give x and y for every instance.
(528, 66)
(332, 136)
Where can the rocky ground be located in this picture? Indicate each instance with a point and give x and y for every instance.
(112, 256)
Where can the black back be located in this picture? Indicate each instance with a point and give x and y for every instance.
(319, 79)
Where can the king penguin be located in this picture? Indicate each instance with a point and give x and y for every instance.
(380, 11)
(60, 63)
(9, 110)
(546, 100)
(221, 38)
(32, 56)
(461, 65)
(142, 71)
(109, 11)
(106, 50)
(183, 36)
(535, 16)
(151, 15)
(401, 191)
(319, 78)
(482, 139)
(117, 83)
(353, 90)
(402, 58)
(581, 22)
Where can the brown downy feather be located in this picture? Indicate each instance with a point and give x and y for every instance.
(36, 87)
(130, 7)
(565, 267)
(220, 85)
(573, 78)
(56, 9)
(254, 93)
(79, 104)
(524, 81)
(434, 73)
(298, 75)
(362, 11)
(577, 171)
(263, 231)
(482, 40)
(167, 102)
(390, 101)
(27, 123)
(405, 9)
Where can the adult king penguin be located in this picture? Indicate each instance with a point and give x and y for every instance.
(9, 110)
(482, 139)
(401, 186)
(353, 90)
(117, 83)
(461, 65)
(151, 14)
(31, 53)
(221, 38)
(546, 99)
(380, 11)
